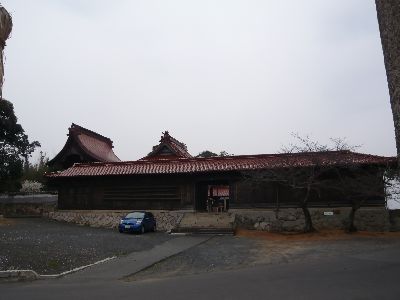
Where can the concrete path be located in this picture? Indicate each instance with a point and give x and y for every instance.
(134, 262)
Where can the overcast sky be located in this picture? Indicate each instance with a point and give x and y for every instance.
(238, 76)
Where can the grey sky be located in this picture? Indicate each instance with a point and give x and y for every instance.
(219, 75)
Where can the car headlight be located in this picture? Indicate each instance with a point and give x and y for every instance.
(138, 221)
(121, 221)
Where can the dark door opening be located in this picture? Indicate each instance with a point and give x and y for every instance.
(212, 196)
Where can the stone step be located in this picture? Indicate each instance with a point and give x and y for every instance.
(198, 230)
(206, 220)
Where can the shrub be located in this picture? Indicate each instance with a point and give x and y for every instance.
(29, 186)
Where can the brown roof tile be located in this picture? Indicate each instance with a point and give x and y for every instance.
(97, 148)
(94, 145)
(223, 164)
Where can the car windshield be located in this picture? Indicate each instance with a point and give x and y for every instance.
(135, 215)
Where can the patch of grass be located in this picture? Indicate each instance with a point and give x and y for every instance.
(53, 264)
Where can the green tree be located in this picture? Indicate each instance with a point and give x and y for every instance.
(14, 148)
(206, 153)
(224, 153)
(35, 171)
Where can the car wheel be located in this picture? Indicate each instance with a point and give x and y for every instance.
(154, 229)
(142, 229)
(120, 231)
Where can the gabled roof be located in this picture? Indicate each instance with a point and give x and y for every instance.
(224, 164)
(168, 148)
(88, 144)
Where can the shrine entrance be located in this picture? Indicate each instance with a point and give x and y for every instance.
(212, 196)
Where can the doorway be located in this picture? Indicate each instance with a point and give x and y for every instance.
(212, 196)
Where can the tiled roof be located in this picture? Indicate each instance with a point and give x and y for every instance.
(175, 149)
(223, 164)
(97, 148)
(94, 145)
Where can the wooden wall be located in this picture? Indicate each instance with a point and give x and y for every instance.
(157, 192)
(167, 192)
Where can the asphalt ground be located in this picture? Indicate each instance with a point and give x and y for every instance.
(251, 265)
(51, 247)
(251, 248)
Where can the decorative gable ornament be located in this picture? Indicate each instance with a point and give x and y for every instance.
(168, 148)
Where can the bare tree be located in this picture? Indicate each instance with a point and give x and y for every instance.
(307, 144)
(388, 12)
(353, 183)
(357, 184)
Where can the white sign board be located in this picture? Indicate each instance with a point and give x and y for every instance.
(328, 213)
(392, 189)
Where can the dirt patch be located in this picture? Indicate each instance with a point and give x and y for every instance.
(250, 248)
(218, 253)
(5, 222)
(314, 236)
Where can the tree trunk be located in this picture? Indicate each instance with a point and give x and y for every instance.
(5, 30)
(308, 225)
(388, 12)
(352, 227)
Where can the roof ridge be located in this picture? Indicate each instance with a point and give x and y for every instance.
(214, 158)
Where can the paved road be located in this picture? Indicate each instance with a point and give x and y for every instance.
(50, 247)
(372, 275)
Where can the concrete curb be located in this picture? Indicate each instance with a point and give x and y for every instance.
(18, 275)
(75, 270)
(30, 275)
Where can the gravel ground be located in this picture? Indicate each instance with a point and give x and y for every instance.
(50, 247)
(227, 252)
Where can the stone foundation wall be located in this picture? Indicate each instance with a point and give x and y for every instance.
(166, 220)
(282, 220)
(292, 219)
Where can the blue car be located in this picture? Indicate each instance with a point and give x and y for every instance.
(138, 221)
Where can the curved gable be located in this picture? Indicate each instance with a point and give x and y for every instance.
(84, 145)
